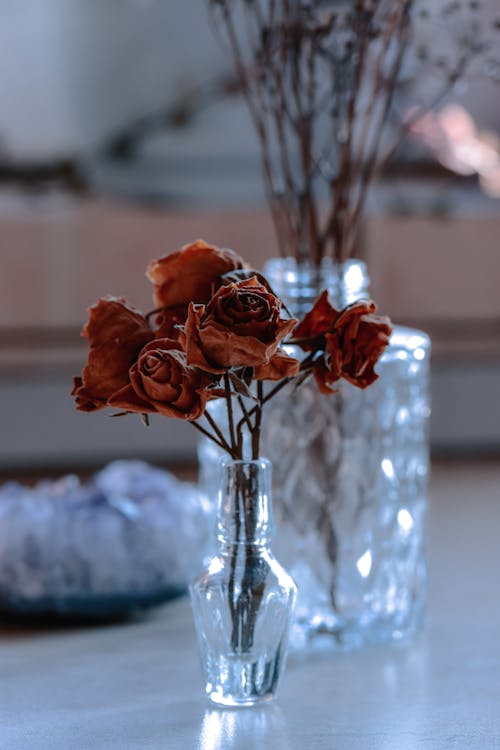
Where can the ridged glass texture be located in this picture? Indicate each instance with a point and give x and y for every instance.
(242, 603)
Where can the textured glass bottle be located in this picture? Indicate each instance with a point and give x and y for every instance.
(349, 481)
(242, 604)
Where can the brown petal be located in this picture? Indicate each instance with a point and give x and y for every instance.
(116, 333)
(126, 398)
(324, 379)
(285, 325)
(194, 412)
(318, 320)
(83, 397)
(226, 349)
(189, 274)
(280, 366)
(191, 342)
(356, 309)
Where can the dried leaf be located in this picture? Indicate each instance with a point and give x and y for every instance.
(240, 386)
(247, 375)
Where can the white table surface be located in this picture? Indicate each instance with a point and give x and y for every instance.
(139, 685)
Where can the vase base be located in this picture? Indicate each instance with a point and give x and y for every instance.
(229, 701)
(330, 634)
(235, 681)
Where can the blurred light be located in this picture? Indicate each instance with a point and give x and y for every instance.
(354, 277)
(402, 415)
(490, 182)
(405, 520)
(388, 468)
(419, 353)
(364, 564)
(216, 565)
(457, 143)
(415, 341)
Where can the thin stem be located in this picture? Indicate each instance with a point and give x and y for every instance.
(244, 420)
(218, 432)
(230, 418)
(269, 396)
(258, 420)
(244, 411)
(211, 437)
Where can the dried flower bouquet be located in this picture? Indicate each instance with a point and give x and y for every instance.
(218, 331)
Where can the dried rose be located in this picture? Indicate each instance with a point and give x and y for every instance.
(190, 274)
(352, 341)
(162, 381)
(240, 327)
(116, 333)
(358, 340)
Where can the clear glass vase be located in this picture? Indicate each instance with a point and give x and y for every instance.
(243, 602)
(350, 480)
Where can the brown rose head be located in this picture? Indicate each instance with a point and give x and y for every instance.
(162, 381)
(190, 274)
(310, 332)
(116, 333)
(240, 327)
(356, 343)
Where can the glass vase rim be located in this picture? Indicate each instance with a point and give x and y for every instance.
(261, 461)
(327, 261)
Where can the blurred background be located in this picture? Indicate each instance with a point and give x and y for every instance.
(122, 138)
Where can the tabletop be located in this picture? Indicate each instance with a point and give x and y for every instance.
(138, 685)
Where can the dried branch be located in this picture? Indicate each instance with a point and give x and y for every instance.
(329, 86)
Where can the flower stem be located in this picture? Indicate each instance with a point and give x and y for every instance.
(258, 419)
(230, 418)
(245, 420)
(224, 445)
(222, 439)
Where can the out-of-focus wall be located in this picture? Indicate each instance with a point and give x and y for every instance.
(73, 71)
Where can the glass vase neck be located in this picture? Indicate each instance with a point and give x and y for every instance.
(244, 510)
(299, 284)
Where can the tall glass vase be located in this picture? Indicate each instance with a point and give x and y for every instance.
(350, 481)
(242, 603)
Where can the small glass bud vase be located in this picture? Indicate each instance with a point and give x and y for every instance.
(243, 602)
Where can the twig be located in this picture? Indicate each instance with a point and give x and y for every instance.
(310, 69)
(216, 429)
(211, 437)
(230, 418)
(258, 420)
